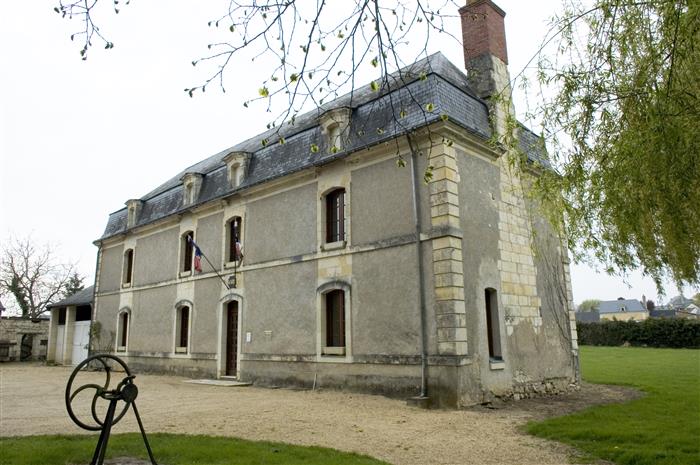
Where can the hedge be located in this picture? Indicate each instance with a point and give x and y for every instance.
(652, 332)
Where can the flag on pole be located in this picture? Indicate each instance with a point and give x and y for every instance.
(197, 258)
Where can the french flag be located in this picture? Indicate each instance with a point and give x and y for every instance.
(197, 258)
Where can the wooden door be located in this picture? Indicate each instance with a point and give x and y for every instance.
(231, 338)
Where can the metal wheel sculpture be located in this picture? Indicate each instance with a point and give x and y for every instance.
(125, 391)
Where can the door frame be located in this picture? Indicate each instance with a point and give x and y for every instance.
(223, 330)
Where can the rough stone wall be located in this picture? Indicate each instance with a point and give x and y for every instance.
(12, 329)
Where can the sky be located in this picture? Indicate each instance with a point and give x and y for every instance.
(79, 138)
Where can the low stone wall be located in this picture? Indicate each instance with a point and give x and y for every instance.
(14, 329)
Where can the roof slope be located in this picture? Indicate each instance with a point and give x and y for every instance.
(615, 306)
(375, 119)
(83, 297)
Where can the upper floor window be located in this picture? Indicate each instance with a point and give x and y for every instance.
(335, 125)
(192, 184)
(187, 251)
(237, 167)
(335, 215)
(128, 267)
(133, 208)
(234, 248)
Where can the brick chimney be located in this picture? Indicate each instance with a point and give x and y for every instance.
(486, 55)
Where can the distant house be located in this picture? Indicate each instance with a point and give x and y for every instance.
(622, 310)
(690, 311)
(662, 313)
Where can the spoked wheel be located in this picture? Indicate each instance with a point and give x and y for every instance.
(102, 362)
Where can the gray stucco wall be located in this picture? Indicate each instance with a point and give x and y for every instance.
(479, 180)
(111, 268)
(155, 257)
(281, 300)
(151, 326)
(287, 221)
(107, 309)
(209, 239)
(206, 313)
(385, 310)
(381, 202)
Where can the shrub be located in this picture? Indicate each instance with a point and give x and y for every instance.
(652, 332)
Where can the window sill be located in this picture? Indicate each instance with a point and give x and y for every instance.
(126, 285)
(232, 264)
(121, 349)
(333, 351)
(180, 350)
(337, 245)
(497, 364)
(185, 274)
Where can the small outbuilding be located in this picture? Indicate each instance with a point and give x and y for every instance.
(69, 329)
(22, 338)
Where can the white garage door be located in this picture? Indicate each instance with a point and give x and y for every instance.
(81, 339)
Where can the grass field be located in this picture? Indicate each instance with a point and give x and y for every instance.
(171, 449)
(662, 428)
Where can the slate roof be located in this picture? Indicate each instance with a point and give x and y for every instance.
(613, 306)
(662, 314)
(375, 119)
(83, 297)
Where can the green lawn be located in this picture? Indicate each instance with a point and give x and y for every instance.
(171, 449)
(662, 428)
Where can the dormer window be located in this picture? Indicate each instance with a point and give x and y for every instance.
(133, 208)
(335, 126)
(192, 184)
(237, 167)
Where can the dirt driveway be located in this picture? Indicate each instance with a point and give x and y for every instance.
(31, 402)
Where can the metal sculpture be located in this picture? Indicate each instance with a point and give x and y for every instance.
(126, 391)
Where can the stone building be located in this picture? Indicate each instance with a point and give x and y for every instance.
(355, 272)
(23, 339)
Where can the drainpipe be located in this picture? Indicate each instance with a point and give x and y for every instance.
(421, 289)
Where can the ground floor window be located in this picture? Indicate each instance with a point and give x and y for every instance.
(335, 322)
(123, 331)
(182, 330)
(493, 326)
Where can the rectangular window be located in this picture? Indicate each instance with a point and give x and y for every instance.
(128, 265)
(124, 329)
(184, 326)
(335, 216)
(493, 325)
(62, 316)
(335, 319)
(234, 240)
(187, 239)
(83, 313)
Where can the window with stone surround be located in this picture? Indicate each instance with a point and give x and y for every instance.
(182, 329)
(334, 330)
(335, 215)
(128, 271)
(186, 252)
(493, 326)
(234, 234)
(123, 330)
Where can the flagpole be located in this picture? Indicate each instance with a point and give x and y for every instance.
(210, 264)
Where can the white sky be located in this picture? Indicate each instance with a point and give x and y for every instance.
(77, 139)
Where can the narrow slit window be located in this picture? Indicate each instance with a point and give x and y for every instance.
(335, 216)
(492, 325)
(335, 319)
(188, 249)
(235, 227)
(123, 329)
(128, 265)
(184, 326)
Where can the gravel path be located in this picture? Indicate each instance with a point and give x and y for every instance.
(31, 402)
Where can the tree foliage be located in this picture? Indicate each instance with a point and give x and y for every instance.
(74, 284)
(619, 82)
(588, 305)
(625, 123)
(31, 274)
